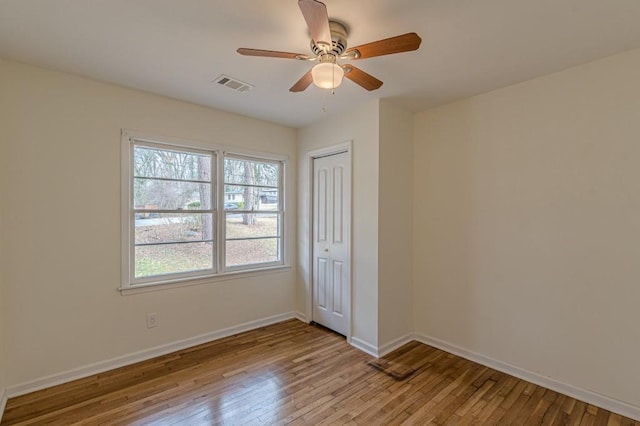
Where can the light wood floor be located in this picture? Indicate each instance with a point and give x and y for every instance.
(294, 373)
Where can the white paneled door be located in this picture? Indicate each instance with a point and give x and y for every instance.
(331, 231)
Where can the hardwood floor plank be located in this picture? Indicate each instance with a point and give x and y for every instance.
(552, 413)
(294, 373)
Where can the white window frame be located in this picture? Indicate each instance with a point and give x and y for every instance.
(279, 212)
(130, 285)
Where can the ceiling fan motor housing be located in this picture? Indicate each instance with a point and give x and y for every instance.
(338, 40)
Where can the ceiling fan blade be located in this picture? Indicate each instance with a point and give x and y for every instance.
(360, 77)
(315, 14)
(271, 53)
(388, 46)
(303, 83)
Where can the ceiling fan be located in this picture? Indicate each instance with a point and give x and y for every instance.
(329, 45)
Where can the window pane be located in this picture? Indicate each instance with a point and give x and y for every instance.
(268, 199)
(172, 258)
(168, 164)
(153, 228)
(243, 252)
(251, 172)
(250, 198)
(251, 225)
(262, 231)
(171, 195)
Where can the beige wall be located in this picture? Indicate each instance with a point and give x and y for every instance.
(3, 302)
(527, 229)
(395, 224)
(61, 221)
(361, 127)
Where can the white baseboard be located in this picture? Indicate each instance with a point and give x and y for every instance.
(382, 350)
(3, 401)
(594, 398)
(364, 346)
(300, 316)
(121, 361)
(395, 344)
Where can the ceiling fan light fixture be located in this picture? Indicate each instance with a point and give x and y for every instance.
(327, 75)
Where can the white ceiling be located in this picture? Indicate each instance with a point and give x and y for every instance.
(177, 47)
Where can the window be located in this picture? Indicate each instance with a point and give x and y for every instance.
(172, 212)
(173, 229)
(253, 223)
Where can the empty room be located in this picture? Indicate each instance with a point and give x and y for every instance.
(319, 212)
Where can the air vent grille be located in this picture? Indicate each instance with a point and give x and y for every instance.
(233, 83)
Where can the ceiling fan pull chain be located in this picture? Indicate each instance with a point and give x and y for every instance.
(325, 108)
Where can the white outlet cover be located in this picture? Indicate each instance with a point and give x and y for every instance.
(152, 320)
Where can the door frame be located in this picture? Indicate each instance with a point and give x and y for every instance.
(345, 147)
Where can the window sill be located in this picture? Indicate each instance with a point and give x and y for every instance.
(188, 282)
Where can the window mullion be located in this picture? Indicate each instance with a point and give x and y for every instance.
(163, 179)
(208, 211)
(246, 185)
(165, 243)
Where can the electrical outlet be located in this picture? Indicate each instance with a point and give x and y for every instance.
(152, 320)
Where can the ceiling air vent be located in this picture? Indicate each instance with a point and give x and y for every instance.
(233, 83)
